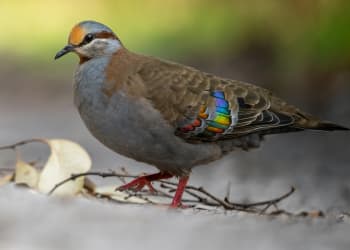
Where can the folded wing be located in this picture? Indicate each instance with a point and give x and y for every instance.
(204, 107)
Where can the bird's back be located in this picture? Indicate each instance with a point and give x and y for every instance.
(203, 107)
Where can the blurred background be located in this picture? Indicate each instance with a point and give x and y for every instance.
(299, 49)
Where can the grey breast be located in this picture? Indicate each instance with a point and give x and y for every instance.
(132, 127)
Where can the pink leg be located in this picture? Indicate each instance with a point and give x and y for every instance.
(179, 191)
(146, 180)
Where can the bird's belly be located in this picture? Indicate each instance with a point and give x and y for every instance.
(133, 128)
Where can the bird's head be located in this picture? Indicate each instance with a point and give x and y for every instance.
(90, 39)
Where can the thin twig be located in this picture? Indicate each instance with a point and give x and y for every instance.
(263, 203)
(75, 176)
(221, 202)
(200, 199)
(15, 145)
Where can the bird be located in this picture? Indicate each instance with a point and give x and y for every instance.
(170, 115)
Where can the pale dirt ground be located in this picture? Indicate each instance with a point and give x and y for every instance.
(317, 164)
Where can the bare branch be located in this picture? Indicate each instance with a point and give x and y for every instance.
(200, 195)
(75, 176)
(268, 202)
(21, 143)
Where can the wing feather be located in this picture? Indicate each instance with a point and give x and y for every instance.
(189, 100)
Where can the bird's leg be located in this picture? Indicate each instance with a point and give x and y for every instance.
(146, 180)
(179, 191)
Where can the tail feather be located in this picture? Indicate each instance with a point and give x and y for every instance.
(329, 126)
(307, 121)
(303, 120)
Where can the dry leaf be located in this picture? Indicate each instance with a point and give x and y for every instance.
(89, 185)
(6, 179)
(66, 158)
(26, 174)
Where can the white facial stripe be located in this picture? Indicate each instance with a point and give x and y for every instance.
(100, 47)
(109, 45)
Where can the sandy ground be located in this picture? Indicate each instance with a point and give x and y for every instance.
(317, 164)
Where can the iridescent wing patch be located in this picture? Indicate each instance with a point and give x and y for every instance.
(212, 121)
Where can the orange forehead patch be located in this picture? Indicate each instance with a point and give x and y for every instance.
(77, 35)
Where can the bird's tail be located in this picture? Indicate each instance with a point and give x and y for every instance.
(307, 121)
(328, 126)
(303, 120)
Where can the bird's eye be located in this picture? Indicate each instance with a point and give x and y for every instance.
(88, 38)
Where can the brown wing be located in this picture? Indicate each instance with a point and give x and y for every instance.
(173, 89)
(201, 106)
(190, 101)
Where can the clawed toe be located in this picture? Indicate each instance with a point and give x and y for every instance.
(140, 182)
(137, 185)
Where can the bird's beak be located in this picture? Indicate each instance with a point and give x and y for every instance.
(65, 50)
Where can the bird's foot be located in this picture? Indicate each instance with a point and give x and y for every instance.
(142, 181)
(176, 203)
(139, 183)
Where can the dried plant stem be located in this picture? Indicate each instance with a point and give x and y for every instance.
(75, 176)
(21, 143)
(201, 195)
